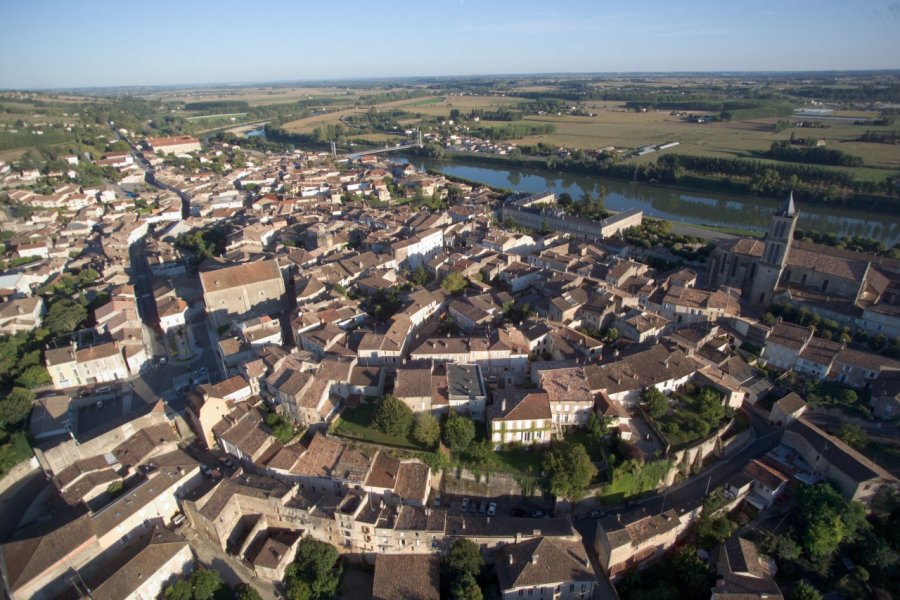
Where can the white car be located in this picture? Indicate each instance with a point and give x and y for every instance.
(492, 509)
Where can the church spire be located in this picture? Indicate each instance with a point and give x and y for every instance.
(788, 209)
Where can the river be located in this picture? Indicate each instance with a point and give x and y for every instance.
(701, 208)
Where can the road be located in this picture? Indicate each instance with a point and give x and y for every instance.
(156, 382)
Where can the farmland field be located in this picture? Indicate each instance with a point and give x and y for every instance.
(307, 124)
(614, 126)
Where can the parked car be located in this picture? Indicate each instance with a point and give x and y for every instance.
(205, 469)
(596, 514)
(482, 507)
(492, 509)
(538, 514)
(473, 508)
(631, 503)
(465, 505)
(437, 500)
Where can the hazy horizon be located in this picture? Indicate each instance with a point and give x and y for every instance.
(60, 45)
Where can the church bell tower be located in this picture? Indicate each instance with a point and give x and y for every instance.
(775, 253)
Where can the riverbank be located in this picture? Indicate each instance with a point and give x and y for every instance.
(705, 232)
(733, 214)
(688, 182)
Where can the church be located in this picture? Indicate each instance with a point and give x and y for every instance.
(854, 288)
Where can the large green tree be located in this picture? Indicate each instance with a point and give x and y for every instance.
(657, 403)
(33, 376)
(570, 470)
(15, 406)
(246, 591)
(454, 282)
(465, 587)
(427, 430)
(459, 432)
(804, 591)
(464, 558)
(206, 583)
(393, 417)
(65, 316)
(694, 575)
(828, 519)
(317, 568)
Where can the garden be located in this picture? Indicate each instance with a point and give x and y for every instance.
(686, 416)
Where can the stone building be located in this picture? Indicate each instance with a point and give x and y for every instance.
(244, 291)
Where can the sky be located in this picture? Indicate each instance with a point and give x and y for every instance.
(86, 43)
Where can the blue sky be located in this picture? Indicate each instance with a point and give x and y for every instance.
(69, 43)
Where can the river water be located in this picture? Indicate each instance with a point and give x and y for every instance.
(702, 208)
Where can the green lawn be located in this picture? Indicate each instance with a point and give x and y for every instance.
(356, 423)
(632, 479)
(521, 461)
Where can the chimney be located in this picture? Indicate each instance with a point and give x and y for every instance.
(19, 309)
(510, 558)
(534, 558)
(503, 405)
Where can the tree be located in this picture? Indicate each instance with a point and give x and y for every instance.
(828, 518)
(598, 426)
(16, 406)
(693, 574)
(710, 407)
(34, 376)
(459, 433)
(427, 430)
(297, 589)
(393, 417)
(65, 316)
(465, 588)
(245, 591)
(454, 282)
(282, 430)
(657, 403)
(853, 435)
(315, 573)
(805, 591)
(570, 470)
(419, 276)
(714, 529)
(180, 590)
(464, 558)
(783, 546)
(205, 583)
